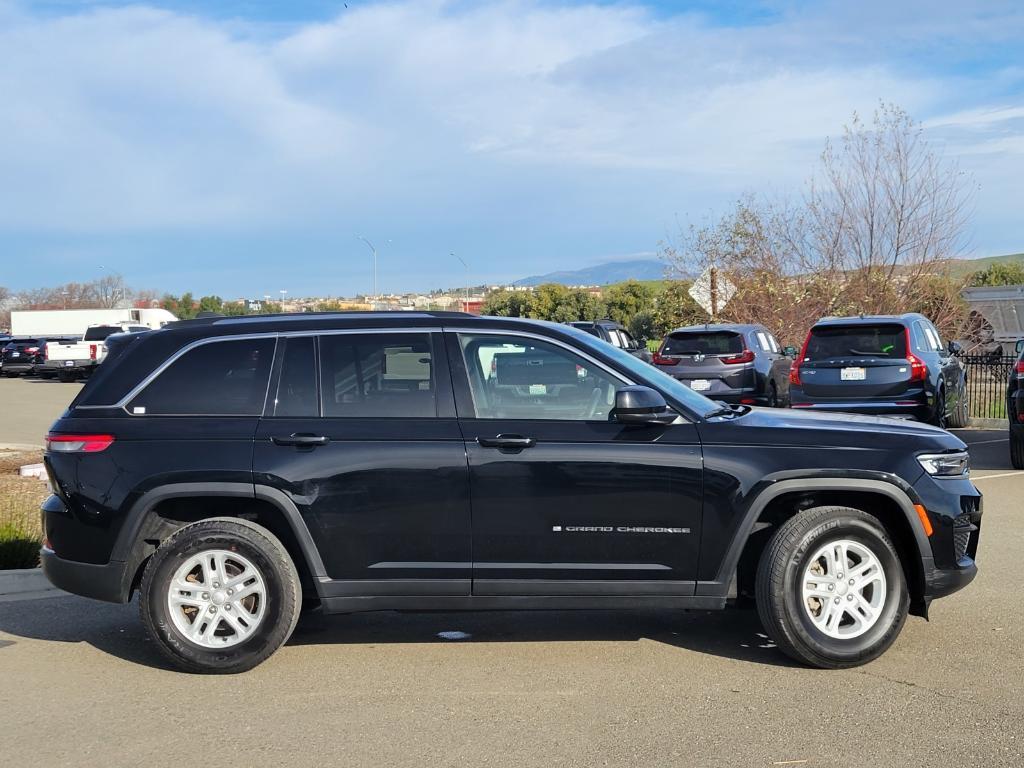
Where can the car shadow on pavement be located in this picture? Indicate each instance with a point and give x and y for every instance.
(733, 633)
(116, 629)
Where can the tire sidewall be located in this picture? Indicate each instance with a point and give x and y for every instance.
(277, 617)
(873, 642)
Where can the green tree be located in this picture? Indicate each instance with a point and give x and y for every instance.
(676, 308)
(626, 300)
(999, 273)
(547, 300)
(211, 304)
(508, 304)
(643, 327)
(235, 308)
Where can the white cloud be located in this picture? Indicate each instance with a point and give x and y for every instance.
(138, 118)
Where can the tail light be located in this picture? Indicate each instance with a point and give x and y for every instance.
(660, 359)
(78, 443)
(794, 371)
(746, 356)
(918, 368)
(92, 351)
(1019, 369)
(31, 350)
(46, 353)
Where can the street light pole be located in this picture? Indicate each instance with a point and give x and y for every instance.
(463, 263)
(374, 251)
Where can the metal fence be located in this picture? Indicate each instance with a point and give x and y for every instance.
(987, 377)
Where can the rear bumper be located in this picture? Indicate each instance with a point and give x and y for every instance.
(106, 582)
(917, 407)
(18, 367)
(69, 366)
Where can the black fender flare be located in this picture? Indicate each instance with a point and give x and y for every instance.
(129, 547)
(723, 578)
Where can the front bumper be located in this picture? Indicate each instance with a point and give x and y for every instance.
(108, 581)
(940, 582)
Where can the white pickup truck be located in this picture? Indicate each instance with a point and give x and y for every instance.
(72, 360)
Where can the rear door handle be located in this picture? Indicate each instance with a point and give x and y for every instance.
(300, 440)
(507, 442)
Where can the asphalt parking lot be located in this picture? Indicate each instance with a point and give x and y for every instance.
(81, 685)
(30, 406)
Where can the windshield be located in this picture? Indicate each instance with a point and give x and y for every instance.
(702, 343)
(846, 341)
(100, 332)
(647, 373)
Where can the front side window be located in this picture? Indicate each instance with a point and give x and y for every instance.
(514, 377)
(378, 375)
(221, 378)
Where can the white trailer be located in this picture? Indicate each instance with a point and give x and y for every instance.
(74, 322)
(1002, 310)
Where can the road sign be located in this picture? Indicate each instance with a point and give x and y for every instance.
(701, 291)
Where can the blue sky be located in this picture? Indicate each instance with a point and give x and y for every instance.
(240, 147)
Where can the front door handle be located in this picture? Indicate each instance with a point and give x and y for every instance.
(301, 440)
(507, 442)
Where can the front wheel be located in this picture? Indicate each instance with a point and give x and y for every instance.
(831, 592)
(1017, 449)
(220, 596)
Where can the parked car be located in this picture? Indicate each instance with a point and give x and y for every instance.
(616, 335)
(73, 359)
(1015, 408)
(23, 356)
(881, 364)
(231, 470)
(733, 363)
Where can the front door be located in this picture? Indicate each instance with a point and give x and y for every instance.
(370, 452)
(565, 501)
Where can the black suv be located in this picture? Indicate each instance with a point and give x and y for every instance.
(733, 363)
(616, 335)
(1015, 409)
(881, 364)
(233, 471)
(23, 356)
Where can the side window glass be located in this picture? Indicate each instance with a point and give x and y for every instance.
(220, 378)
(377, 375)
(763, 343)
(520, 378)
(296, 389)
(775, 343)
(628, 341)
(933, 336)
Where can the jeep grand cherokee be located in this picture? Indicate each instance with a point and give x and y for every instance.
(233, 471)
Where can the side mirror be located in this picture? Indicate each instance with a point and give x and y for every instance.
(789, 351)
(641, 405)
(955, 347)
(1020, 346)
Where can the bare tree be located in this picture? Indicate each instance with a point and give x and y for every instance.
(874, 233)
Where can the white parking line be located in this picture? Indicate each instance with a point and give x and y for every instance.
(986, 442)
(976, 478)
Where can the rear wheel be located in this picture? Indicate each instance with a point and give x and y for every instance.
(1017, 449)
(65, 377)
(220, 596)
(939, 416)
(773, 395)
(831, 591)
(960, 415)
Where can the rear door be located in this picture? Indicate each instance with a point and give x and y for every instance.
(857, 361)
(369, 451)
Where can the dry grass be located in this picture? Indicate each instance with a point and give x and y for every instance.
(20, 497)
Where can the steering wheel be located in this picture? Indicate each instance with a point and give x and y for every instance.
(595, 402)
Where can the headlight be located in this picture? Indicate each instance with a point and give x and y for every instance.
(945, 464)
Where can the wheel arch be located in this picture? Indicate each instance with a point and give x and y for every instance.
(161, 511)
(780, 500)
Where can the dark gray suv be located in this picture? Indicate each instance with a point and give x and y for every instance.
(741, 364)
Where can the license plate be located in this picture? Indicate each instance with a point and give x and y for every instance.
(853, 374)
(69, 363)
(15, 354)
(700, 385)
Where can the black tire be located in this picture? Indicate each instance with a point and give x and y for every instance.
(960, 417)
(66, 378)
(773, 395)
(265, 551)
(1017, 449)
(938, 418)
(779, 585)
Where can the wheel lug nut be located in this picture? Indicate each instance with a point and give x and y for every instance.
(831, 587)
(213, 608)
(837, 601)
(231, 591)
(227, 607)
(206, 595)
(849, 597)
(839, 576)
(851, 584)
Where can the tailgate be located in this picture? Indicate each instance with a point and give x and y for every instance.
(856, 378)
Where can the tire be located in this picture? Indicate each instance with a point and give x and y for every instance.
(66, 378)
(268, 613)
(1017, 449)
(960, 416)
(787, 614)
(938, 418)
(773, 395)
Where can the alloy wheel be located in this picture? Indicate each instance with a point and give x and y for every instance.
(843, 589)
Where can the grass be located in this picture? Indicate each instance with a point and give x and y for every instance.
(20, 497)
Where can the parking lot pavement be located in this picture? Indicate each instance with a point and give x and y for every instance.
(30, 406)
(81, 685)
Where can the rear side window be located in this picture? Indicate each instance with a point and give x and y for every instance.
(222, 378)
(847, 341)
(703, 343)
(377, 375)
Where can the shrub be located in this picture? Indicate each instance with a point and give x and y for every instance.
(18, 548)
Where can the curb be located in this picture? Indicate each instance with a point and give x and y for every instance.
(23, 580)
(978, 423)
